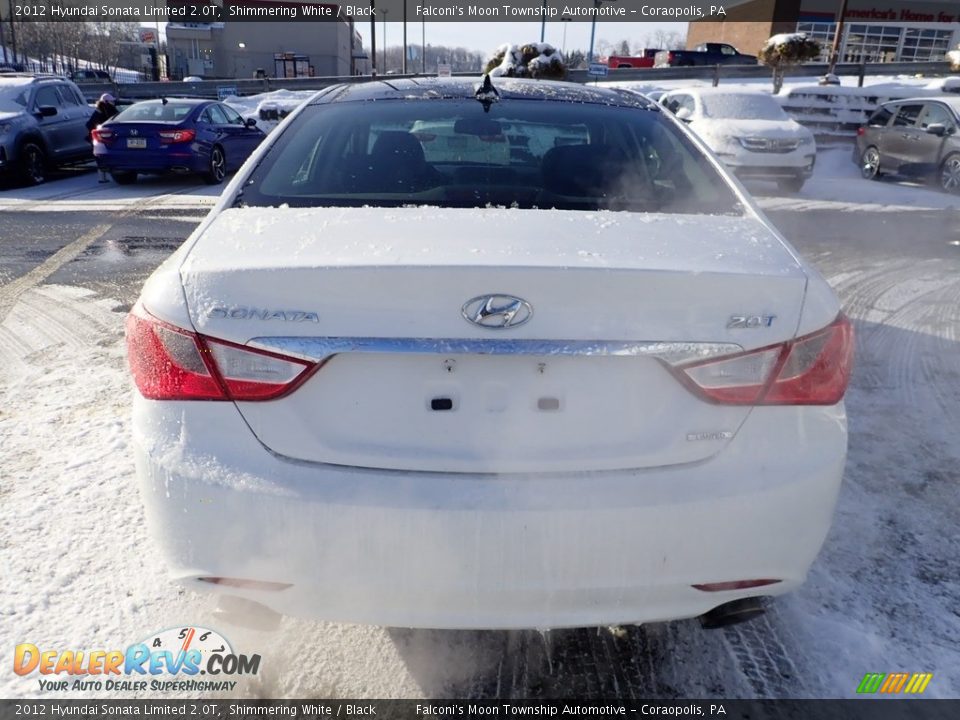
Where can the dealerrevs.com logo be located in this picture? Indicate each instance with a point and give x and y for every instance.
(188, 659)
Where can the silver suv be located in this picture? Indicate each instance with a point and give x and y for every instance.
(913, 138)
(42, 124)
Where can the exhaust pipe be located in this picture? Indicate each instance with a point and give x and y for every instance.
(733, 612)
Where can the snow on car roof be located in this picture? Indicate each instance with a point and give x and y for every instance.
(15, 80)
(707, 91)
(465, 88)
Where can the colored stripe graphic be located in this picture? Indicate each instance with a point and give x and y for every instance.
(871, 682)
(918, 683)
(890, 683)
(894, 683)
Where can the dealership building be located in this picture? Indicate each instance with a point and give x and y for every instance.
(271, 49)
(874, 30)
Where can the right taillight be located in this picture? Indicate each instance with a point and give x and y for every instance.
(169, 137)
(170, 363)
(810, 370)
(861, 131)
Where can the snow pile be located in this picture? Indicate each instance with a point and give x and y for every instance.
(785, 39)
(536, 60)
(953, 57)
(787, 49)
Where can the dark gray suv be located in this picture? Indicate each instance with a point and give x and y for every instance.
(43, 123)
(913, 138)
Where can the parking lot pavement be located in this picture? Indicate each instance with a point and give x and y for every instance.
(79, 191)
(81, 571)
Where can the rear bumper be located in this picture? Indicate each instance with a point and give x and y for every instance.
(149, 162)
(480, 551)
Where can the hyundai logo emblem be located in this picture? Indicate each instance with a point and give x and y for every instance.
(497, 311)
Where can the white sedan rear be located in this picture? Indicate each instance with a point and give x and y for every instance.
(579, 382)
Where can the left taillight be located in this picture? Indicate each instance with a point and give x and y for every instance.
(810, 370)
(103, 135)
(170, 363)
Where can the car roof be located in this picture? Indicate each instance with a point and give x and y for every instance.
(184, 101)
(708, 91)
(952, 102)
(431, 88)
(20, 79)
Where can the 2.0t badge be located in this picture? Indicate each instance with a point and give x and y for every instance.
(497, 311)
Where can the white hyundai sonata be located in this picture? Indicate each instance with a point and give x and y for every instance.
(498, 357)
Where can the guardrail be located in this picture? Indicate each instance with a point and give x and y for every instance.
(717, 73)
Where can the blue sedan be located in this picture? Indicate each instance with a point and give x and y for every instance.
(175, 135)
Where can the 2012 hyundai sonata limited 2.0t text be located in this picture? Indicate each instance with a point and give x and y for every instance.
(457, 355)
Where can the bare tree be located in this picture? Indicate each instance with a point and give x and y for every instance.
(664, 40)
(103, 42)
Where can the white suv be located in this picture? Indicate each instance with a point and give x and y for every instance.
(749, 131)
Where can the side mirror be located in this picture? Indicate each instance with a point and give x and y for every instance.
(251, 122)
(685, 114)
(46, 111)
(938, 129)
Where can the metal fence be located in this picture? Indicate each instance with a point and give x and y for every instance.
(651, 76)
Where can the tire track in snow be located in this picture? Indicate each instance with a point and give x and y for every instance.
(760, 650)
(54, 316)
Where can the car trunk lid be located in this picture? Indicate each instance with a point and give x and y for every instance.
(409, 383)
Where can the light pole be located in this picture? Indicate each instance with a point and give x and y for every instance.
(423, 47)
(837, 35)
(2, 43)
(543, 22)
(13, 32)
(373, 37)
(565, 21)
(404, 67)
(593, 27)
(384, 40)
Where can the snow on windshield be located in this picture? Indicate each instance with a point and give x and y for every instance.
(742, 106)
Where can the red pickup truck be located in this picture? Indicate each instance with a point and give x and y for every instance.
(641, 61)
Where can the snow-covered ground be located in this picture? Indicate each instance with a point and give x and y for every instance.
(80, 571)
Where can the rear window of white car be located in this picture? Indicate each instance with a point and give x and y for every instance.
(743, 106)
(519, 153)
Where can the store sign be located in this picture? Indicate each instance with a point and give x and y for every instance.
(932, 11)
